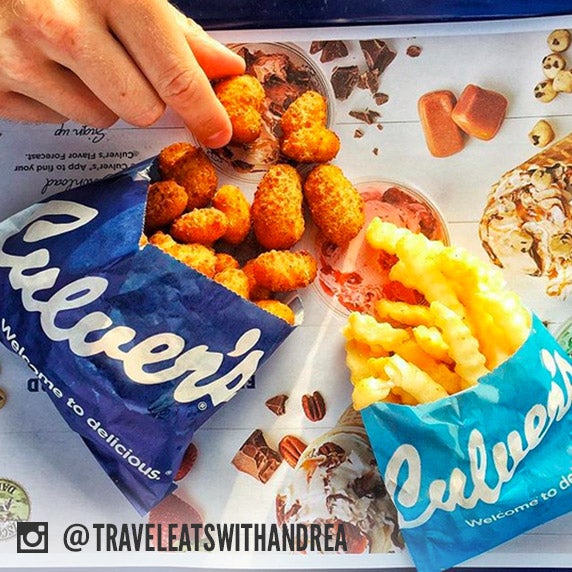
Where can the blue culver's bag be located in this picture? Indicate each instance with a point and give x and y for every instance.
(474, 470)
(135, 349)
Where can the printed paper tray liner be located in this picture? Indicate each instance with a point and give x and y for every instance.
(136, 349)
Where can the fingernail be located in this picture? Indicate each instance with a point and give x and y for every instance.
(218, 139)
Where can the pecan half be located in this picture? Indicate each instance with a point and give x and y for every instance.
(314, 406)
(291, 448)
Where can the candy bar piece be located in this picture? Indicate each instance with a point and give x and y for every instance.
(480, 112)
(377, 54)
(277, 404)
(256, 458)
(343, 80)
(442, 135)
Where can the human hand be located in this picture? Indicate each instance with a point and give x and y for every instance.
(94, 61)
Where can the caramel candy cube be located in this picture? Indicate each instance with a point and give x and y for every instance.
(480, 112)
(442, 135)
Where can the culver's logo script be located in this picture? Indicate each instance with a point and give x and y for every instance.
(32, 273)
(403, 475)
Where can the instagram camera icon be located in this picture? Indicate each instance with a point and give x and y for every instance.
(32, 537)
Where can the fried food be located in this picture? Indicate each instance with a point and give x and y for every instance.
(306, 138)
(191, 168)
(234, 279)
(314, 144)
(166, 200)
(243, 98)
(336, 206)
(279, 309)
(282, 270)
(277, 216)
(417, 353)
(203, 226)
(224, 261)
(307, 110)
(197, 256)
(230, 200)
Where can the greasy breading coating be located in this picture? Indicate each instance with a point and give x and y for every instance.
(277, 216)
(305, 111)
(337, 207)
(306, 138)
(230, 200)
(166, 200)
(279, 309)
(204, 226)
(234, 279)
(243, 98)
(257, 292)
(191, 168)
(224, 260)
(197, 256)
(314, 144)
(283, 270)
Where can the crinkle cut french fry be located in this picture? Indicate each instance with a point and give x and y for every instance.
(383, 235)
(468, 272)
(431, 341)
(410, 351)
(509, 315)
(403, 313)
(401, 396)
(381, 337)
(463, 346)
(417, 268)
(370, 390)
(413, 380)
(357, 356)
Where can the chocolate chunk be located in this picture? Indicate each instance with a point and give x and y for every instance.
(2, 398)
(377, 54)
(369, 80)
(380, 98)
(344, 79)
(317, 46)
(332, 50)
(368, 116)
(375, 151)
(277, 404)
(256, 458)
(358, 133)
(413, 51)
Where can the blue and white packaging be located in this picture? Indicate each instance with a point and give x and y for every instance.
(135, 349)
(478, 468)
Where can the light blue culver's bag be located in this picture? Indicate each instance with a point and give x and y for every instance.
(135, 349)
(474, 470)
